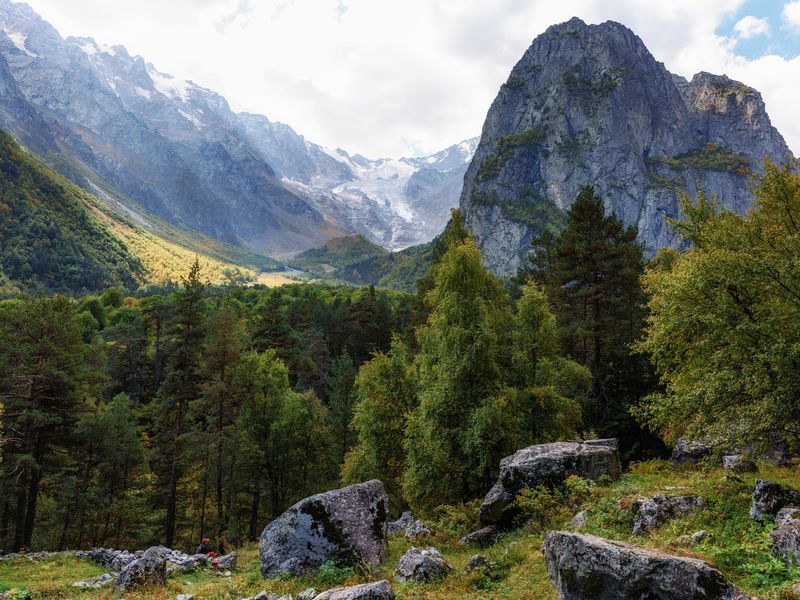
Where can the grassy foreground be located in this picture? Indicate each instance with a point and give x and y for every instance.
(738, 546)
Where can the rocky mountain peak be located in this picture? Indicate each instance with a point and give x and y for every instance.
(589, 104)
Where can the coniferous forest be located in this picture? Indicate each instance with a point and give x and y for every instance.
(133, 420)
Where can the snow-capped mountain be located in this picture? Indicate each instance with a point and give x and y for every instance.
(393, 202)
(119, 127)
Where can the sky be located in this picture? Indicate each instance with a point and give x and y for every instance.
(411, 77)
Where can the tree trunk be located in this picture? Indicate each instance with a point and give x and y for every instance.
(19, 513)
(169, 525)
(33, 498)
(253, 532)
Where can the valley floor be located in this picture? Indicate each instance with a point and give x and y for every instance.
(739, 546)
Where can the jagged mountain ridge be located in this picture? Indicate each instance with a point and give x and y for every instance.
(588, 104)
(117, 126)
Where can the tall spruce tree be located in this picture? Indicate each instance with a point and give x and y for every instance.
(591, 274)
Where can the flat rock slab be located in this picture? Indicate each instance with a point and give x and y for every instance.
(380, 590)
(548, 465)
(585, 567)
(346, 525)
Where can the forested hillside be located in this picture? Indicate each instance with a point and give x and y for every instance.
(50, 238)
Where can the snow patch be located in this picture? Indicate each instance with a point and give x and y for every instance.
(191, 118)
(18, 39)
(143, 93)
(169, 86)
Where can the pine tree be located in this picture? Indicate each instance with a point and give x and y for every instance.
(341, 398)
(43, 367)
(221, 399)
(181, 386)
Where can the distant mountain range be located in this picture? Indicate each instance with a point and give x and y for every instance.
(172, 163)
(588, 104)
(151, 145)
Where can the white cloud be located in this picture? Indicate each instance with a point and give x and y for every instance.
(791, 13)
(386, 78)
(750, 26)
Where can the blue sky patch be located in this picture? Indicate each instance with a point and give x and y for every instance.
(782, 38)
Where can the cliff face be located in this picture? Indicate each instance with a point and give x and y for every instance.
(588, 104)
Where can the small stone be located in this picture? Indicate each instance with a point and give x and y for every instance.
(184, 597)
(659, 509)
(578, 522)
(228, 561)
(475, 563)
(737, 463)
(786, 536)
(308, 594)
(690, 452)
(700, 536)
(422, 566)
(482, 537)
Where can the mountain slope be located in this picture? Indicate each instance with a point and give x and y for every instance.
(169, 148)
(172, 147)
(50, 237)
(588, 104)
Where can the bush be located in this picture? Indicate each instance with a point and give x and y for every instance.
(330, 573)
(457, 521)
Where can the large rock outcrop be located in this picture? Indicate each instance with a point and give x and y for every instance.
(548, 465)
(589, 104)
(346, 525)
(585, 567)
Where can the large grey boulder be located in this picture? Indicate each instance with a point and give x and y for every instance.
(659, 509)
(769, 497)
(585, 567)
(380, 590)
(422, 566)
(786, 536)
(549, 465)
(150, 569)
(347, 526)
